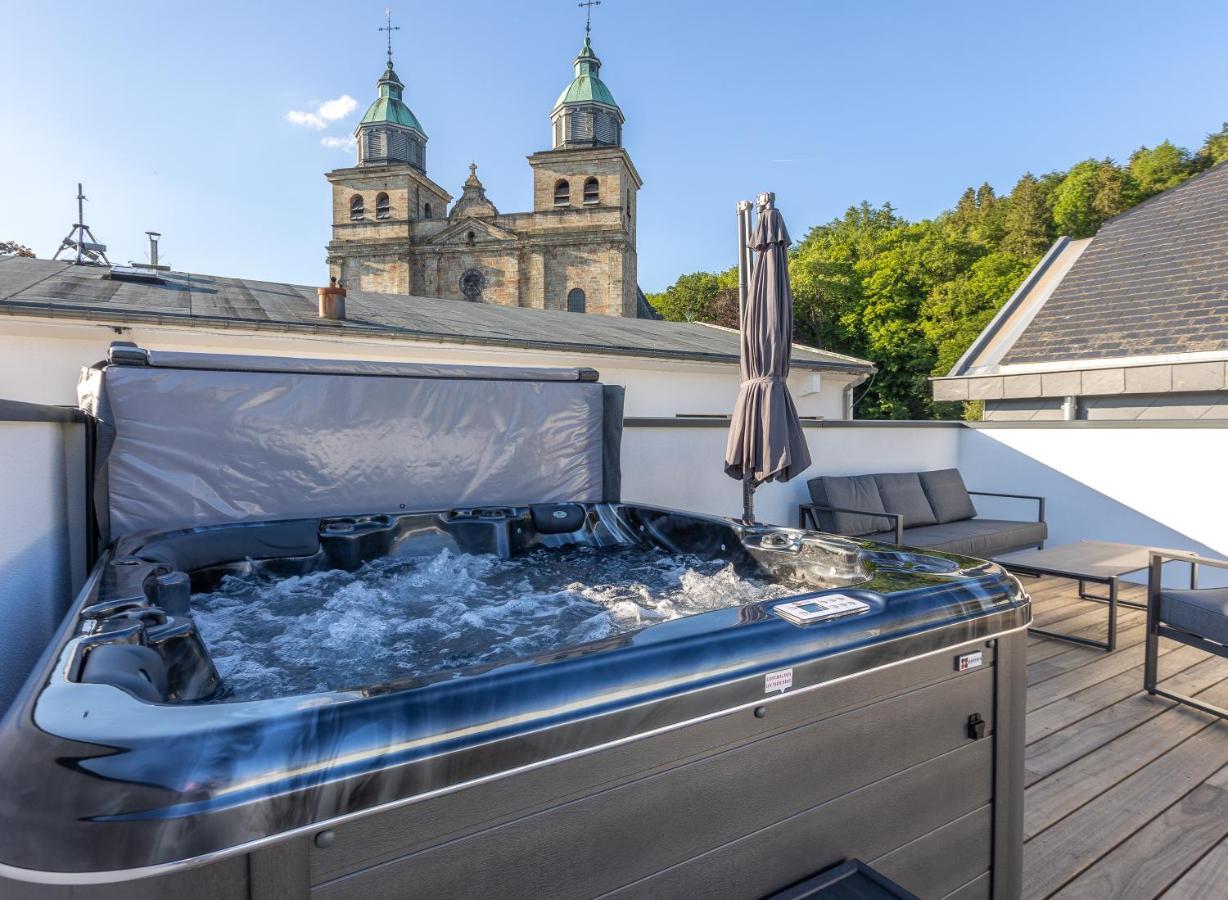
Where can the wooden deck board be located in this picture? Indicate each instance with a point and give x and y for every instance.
(1127, 794)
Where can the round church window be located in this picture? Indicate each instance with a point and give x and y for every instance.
(472, 281)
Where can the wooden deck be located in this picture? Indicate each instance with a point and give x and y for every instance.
(1127, 794)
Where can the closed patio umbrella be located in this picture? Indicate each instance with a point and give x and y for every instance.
(766, 442)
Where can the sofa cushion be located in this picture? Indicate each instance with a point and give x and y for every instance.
(850, 492)
(982, 538)
(901, 493)
(948, 497)
(1203, 612)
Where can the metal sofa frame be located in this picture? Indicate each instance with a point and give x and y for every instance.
(806, 512)
(1157, 629)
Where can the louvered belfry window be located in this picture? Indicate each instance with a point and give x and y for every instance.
(591, 192)
(383, 209)
(357, 210)
(562, 193)
(606, 129)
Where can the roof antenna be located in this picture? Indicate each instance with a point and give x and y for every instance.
(88, 251)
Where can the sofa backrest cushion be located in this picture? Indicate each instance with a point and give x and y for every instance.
(851, 492)
(947, 495)
(901, 493)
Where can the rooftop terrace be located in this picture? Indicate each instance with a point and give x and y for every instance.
(1127, 794)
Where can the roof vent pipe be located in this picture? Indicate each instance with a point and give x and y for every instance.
(153, 248)
(1070, 408)
(332, 301)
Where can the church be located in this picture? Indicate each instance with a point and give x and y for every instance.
(393, 231)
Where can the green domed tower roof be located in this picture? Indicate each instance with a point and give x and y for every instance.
(389, 107)
(586, 87)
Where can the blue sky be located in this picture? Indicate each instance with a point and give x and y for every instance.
(175, 114)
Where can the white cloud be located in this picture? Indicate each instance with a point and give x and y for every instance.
(339, 143)
(328, 111)
(310, 119)
(332, 110)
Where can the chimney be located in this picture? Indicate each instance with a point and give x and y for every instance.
(153, 265)
(332, 301)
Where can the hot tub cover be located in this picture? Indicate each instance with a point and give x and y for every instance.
(199, 439)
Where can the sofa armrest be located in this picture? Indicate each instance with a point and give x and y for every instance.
(806, 511)
(1040, 501)
(1155, 570)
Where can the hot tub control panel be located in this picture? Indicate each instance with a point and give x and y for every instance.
(820, 609)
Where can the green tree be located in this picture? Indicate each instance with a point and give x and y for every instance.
(1028, 227)
(1091, 192)
(689, 299)
(1159, 168)
(1214, 150)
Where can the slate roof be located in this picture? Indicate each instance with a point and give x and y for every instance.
(1153, 281)
(40, 287)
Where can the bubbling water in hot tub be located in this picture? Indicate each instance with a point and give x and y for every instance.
(400, 617)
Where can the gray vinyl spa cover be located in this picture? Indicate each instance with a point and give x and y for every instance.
(196, 439)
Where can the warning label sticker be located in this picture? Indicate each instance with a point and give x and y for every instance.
(778, 681)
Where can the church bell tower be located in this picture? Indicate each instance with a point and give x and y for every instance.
(586, 181)
(379, 203)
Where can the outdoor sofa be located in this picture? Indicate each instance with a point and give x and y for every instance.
(933, 510)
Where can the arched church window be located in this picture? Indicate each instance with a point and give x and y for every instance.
(591, 192)
(575, 300)
(562, 193)
(357, 211)
(426, 211)
(383, 209)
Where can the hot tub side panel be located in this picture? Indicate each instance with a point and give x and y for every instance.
(881, 766)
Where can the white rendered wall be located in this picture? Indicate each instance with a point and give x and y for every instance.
(683, 467)
(40, 359)
(1159, 487)
(41, 556)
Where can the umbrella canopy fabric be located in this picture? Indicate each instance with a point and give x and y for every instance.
(766, 439)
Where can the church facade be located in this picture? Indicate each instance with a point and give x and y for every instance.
(394, 232)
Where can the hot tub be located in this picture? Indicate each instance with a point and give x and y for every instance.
(835, 700)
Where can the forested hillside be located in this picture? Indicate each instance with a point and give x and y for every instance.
(911, 296)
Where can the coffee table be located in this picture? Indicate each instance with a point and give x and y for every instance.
(1087, 562)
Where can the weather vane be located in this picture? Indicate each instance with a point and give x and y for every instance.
(588, 15)
(390, 28)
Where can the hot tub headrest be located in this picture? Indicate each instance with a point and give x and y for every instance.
(186, 440)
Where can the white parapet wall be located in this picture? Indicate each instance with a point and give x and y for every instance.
(680, 463)
(1155, 484)
(42, 536)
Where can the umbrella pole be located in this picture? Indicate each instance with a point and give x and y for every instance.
(743, 256)
(744, 263)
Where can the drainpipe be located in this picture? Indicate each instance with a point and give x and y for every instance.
(1070, 409)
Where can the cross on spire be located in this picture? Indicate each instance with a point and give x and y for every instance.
(390, 28)
(588, 15)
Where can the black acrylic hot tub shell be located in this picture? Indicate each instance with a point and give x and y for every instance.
(600, 767)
